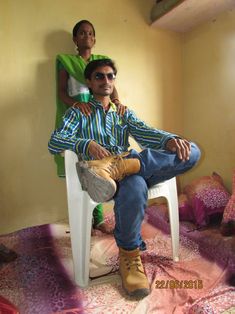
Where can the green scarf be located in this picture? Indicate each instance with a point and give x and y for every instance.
(75, 66)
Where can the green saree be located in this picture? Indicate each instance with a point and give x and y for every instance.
(77, 89)
(75, 66)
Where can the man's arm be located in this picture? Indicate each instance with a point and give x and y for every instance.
(145, 135)
(158, 139)
(67, 136)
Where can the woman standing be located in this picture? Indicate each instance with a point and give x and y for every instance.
(72, 91)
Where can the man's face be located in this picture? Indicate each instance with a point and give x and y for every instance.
(85, 37)
(102, 81)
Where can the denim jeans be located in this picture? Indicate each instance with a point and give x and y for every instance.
(132, 193)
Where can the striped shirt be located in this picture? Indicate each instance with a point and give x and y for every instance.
(108, 129)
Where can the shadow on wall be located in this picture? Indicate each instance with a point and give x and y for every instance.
(58, 42)
(144, 10)
(29, 121)
(55, 43)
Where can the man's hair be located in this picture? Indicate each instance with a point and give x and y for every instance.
(93, 65)
(79, 24)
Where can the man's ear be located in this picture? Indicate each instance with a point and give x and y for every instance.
(74, 40)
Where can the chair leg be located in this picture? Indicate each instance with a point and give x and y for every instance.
(80, 208)
(174, 219)
(80, 221)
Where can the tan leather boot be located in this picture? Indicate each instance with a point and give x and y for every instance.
(134, 280)
(98, 177)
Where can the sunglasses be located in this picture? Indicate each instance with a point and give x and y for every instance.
(101, 76)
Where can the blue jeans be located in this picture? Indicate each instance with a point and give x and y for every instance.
(132, 193)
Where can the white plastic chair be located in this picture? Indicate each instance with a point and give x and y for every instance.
(80, 207)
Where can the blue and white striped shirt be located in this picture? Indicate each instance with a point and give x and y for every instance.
(108, 129)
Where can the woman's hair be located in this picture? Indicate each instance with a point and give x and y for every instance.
(79, 24)
(93, 65)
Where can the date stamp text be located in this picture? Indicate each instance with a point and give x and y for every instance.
(179, 284)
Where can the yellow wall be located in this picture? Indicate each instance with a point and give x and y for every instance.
(31, 34)
(209, 95)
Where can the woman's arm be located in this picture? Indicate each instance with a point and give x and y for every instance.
(121, 109)
(62, 88)
(63, 94)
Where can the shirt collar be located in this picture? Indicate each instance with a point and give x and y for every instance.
(96, 103)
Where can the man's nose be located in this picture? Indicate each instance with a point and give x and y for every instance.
(106, 79)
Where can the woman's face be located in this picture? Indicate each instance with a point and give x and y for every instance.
(85, 38)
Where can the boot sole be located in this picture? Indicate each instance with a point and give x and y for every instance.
(99, 189)
(138, 294)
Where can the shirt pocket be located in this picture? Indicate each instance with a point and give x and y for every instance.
(121, 134)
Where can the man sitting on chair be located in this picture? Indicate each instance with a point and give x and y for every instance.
(110, 171)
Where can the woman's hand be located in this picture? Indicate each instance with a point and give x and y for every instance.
(97, 151)
(181, 146)
(84, 107)
(121, 109)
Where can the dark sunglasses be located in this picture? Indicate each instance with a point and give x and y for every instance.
(100, 76)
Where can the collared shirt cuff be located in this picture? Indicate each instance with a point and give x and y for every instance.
(81, 147)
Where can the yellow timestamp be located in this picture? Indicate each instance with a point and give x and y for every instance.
(179, 284)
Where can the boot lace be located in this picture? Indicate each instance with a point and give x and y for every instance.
(117, 168)
(133, 263)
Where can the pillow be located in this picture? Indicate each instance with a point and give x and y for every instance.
(229, 211)
(185, 210)
(206, 196)
(228, 222)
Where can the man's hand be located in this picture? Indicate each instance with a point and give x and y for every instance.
(97, 151)
(84, 107)
(181, 146)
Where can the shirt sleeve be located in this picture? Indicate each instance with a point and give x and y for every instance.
(68, 136)
(146, 136)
